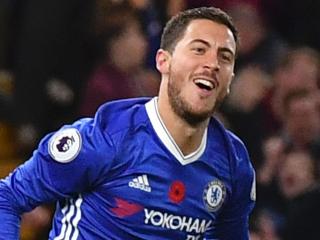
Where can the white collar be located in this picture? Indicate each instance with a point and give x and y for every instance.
(166, 138)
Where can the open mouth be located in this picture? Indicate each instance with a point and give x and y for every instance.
(205, 84)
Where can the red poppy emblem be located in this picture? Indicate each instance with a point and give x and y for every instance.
(177, 191)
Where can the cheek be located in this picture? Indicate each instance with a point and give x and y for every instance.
(227, 73)
(183, 63)
(179, 71)
(226, 81)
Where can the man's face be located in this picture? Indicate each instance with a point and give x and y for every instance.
(296, 174)
(302, 120)
(201, 69)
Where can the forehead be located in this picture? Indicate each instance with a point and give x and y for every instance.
(301, 104)
(212, 32)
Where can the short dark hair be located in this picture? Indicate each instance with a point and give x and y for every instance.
(176, 26)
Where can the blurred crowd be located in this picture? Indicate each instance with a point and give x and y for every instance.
(60, 60)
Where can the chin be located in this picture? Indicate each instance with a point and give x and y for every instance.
(195, 118)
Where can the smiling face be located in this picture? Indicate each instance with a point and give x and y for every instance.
(197, 74)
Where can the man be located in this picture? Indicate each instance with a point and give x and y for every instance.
(158, 168)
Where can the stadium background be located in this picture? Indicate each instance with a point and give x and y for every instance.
(60, 59)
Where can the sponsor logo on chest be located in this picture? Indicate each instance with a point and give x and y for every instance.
(175, 222)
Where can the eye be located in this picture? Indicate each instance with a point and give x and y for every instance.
(226, 57)
(198, 50)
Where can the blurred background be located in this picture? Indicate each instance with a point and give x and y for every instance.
(59, 60)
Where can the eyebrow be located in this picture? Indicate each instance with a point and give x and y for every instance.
(221, 49)
(201, 41)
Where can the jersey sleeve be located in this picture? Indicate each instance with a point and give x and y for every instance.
(233, 221)
(75, 159)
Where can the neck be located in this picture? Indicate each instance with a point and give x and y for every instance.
(187, 137)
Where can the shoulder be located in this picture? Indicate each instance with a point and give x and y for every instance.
(241, 169)
(238, 145)
(98, 134)
(243, 173)
(122, 114)
(238, 155)
(233, 142)
(241, 159)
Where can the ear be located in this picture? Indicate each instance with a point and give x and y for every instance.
(232, 77)
(229, 85)
(163, 61)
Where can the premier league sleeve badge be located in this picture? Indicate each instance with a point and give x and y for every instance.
(65, 145)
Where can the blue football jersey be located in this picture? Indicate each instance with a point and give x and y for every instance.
(120, 175)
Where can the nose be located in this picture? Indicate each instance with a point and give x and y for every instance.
(212, 62)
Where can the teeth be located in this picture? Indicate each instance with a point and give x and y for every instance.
(205, 83)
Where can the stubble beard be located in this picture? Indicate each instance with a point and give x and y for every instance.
(183, 109)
